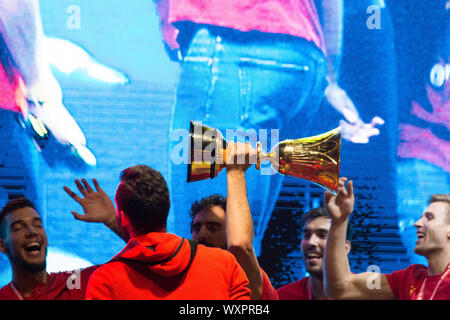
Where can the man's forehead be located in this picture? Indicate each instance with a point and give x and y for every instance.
(438, 208)
(319, 223)
(212, 214)
(26, 213)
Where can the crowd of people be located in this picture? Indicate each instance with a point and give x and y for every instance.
(290, 59)
(219, 261)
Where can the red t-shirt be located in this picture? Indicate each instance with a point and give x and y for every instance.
(297, 18)
(297, 290)
(406, 284)
(60, 286)
(268, 291)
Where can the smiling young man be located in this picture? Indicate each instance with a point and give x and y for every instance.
(417, 282)
(316, 224)
(24, 241)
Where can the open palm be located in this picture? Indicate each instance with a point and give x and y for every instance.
(96, 204)
(340, 206)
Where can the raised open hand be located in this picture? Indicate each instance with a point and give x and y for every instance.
(340, 206)
(96, 204)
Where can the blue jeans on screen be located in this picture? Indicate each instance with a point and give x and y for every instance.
(236, 80)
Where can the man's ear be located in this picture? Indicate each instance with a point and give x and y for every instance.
(3, 247)
(124, 222)
(348, 246)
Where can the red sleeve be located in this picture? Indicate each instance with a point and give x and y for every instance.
(101, 285)
(268, 291)
(402, 282)
(394, 280)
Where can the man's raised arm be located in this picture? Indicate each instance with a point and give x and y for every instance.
(239, 224)
(354, 128)
(339, 282)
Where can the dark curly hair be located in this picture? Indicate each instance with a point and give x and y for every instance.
(322, 212)
(208, 202)
(143, 197)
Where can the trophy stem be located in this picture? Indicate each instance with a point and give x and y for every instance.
(262, 156)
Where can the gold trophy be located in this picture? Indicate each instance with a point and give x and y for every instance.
(315, 159)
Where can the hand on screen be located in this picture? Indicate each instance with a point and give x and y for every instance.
(359, 131)
(354, 129)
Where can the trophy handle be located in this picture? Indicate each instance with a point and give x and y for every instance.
(258, 155)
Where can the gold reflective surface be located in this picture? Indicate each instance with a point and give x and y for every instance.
(315, 159)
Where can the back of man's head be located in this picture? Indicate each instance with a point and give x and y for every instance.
(11, 206)
(322, 212)
(143, 197)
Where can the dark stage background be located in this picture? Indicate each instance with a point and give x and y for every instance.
(386, 71)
